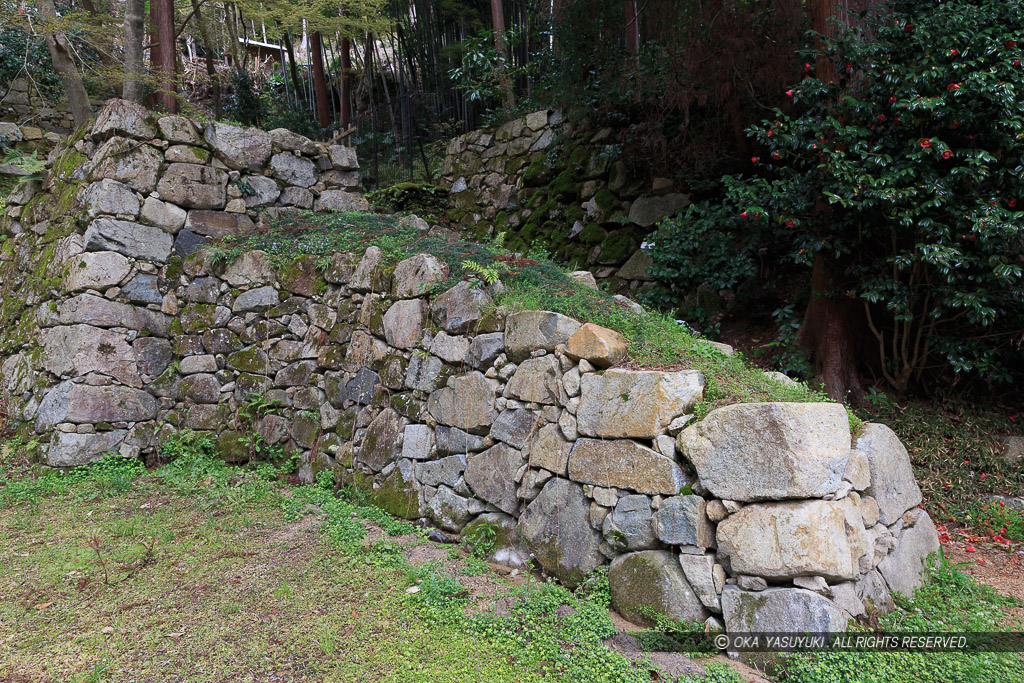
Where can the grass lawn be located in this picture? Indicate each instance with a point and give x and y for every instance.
(234, 588)
(199, 571)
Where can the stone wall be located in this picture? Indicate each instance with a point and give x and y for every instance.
(446, 407)
(21, 104)
(541, 182)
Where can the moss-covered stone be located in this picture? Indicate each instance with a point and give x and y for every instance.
(592, 234)
(407, 405)
(302, 277)
(232, 447)
(399, 495)
(618, 247)
(346, 424)
(252, 359)
(392, 374)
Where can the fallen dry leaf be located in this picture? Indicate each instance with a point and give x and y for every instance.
(43, 605)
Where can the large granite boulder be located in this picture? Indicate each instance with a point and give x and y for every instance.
(340, 200)
(343, 158)
(628, 525)
(131, 239)
(652, 580)
(891, 476)
(122, 118)
(383, 441)
(110, 197)
(96, 270)
(129, 162)
(165, 215)
(399, 494)
(635, 403)
(293, 170)
(780, 610)
(683, 520)
(467, 403)
(903, 568)
(243, 149)
(550, 450)
(529, 331)
(646, 211)
(178, 130)
(293, 142)
(557, 530)
(798, 538)
(770, 451)
(403, 323)
(449, 510)
(460, 309)
(626, 465)
(597, 345)
(76, 350)
(536, 381)
(87, 404)
(415, 276)
(217, 223)
(68, 449)
(491, 475)
(194, 186)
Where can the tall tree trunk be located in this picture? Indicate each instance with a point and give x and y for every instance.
(833, 321)
(134, 36)
(632, 29)
(832, 325)
(163, 56)
(323, 104)
(293, 69)
(211, 69)
(64, 65)
(346, 84)
(498, 21)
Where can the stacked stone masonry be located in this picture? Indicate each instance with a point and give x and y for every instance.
(769, 516)
(20, 103)
(537, 179)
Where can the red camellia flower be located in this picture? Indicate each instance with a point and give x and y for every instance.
(1010, 44)
(776, 155)
(891, 100)
(953, 86)
(771, 133)
(954, 52)
(807, 67)
(790, 223)
(754, 160)
(954, 125)
(1016, 62)
(849, 66)
(789, 93)
(743, 215)
(1012, 203)
(881, 118)
(926, 143)
(909, 27)
(947, 154)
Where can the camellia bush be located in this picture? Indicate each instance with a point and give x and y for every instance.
(901, 178)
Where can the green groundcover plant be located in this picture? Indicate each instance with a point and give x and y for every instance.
(903, 171)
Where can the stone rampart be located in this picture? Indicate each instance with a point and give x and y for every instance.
(429, 395)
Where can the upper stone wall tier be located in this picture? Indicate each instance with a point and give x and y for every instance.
(21, 104)
(538, 180)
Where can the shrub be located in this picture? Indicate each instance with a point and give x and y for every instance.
(903, 174)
